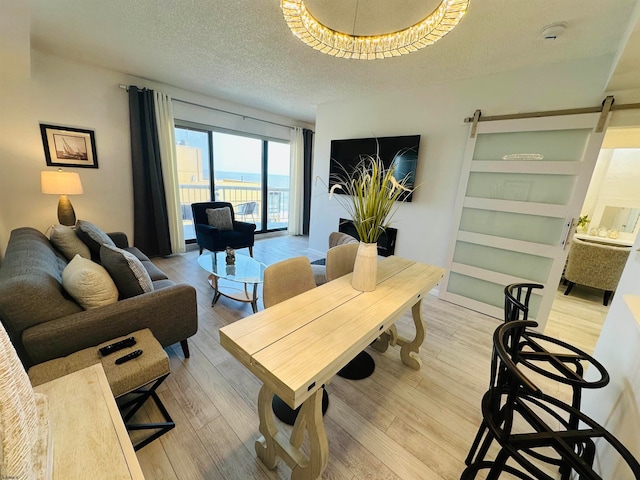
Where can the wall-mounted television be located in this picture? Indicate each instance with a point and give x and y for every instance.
(400, 151)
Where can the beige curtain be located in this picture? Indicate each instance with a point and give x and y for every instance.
(168, 160)
(296, 182)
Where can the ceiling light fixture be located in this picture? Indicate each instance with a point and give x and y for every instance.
(369, 47)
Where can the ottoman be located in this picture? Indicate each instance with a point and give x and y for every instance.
(127, 380)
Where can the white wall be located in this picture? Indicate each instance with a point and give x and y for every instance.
(61, 92)
(64, 93)
(617, 406)
(437, 113)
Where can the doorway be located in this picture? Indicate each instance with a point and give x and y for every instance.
(613, 186)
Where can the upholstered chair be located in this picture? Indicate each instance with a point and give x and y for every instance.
(216, 227)
(282, 281)
(335, 239)
(595, 265)
(286, 279)
(340, 260)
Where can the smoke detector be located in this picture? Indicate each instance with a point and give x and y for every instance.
(553, 31)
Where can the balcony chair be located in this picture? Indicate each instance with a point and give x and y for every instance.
(245, 209)
(216, 228)
(595, 265)
(282, 281)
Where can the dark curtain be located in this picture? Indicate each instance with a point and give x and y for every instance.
(150, 219)
(307, 136)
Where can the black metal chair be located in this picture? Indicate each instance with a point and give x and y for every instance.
(516, 414)
(516, 300)
(215, 240)
(546, 356)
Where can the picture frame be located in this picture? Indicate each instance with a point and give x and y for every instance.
(69, 147)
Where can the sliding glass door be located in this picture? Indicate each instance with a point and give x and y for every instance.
(249, 172)
(278, 181)
(193, 159)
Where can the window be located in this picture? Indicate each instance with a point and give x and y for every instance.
(249, 172)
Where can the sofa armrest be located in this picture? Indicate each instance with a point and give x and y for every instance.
(170, 313)
(119, 238)
(245, 227)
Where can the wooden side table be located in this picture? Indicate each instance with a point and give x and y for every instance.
(88, 435)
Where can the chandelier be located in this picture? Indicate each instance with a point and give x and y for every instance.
(369, 47)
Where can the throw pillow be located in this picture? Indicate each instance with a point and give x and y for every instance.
(126, 270)
(64, 239)
(88, 283)
(220, 218)
(92, 236)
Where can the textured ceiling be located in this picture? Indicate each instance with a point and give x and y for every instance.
(242, 50)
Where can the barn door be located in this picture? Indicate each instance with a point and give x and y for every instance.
(521, 189)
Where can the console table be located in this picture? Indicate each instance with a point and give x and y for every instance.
(298, 345)
(88, 436)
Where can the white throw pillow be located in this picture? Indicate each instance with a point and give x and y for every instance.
(65, 240)
(89, 283)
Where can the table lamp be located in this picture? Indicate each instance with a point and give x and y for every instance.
(63, 184)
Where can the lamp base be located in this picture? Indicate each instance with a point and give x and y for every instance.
(66, 214)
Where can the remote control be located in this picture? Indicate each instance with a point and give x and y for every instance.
(114, 347)
(129, 356)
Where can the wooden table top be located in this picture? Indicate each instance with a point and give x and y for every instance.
(300, 344)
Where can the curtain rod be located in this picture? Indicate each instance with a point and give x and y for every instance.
(244, 117)
(553, 113)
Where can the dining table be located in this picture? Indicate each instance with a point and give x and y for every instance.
(297, 346)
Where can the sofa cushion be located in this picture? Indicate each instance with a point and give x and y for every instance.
(93, 236)
(89, 283)
(220, 218)
(64, 238)
(126, 270)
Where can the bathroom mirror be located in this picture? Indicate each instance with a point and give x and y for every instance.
(622, 219)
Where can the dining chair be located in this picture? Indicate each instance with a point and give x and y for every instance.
(340, 260)
(320, 269)
(282, 281)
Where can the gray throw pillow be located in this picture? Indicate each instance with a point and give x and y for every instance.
(64, 238)
(126, 270)
(220, 218)
(92, 236)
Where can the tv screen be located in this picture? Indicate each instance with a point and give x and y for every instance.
(399, 151)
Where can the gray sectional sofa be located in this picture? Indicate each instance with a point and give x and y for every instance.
(44, 322)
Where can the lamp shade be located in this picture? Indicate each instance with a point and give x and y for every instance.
(60, 183)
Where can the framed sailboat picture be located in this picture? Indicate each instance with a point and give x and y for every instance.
(69, 147)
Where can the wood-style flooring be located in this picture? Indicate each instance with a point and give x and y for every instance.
(398, 424)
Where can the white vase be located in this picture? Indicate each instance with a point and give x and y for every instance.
(365, 269)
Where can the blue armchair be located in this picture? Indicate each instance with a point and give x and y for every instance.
(215, 240)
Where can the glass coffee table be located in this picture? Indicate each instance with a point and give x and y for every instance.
(245, 270)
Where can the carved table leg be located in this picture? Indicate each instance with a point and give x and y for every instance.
(409, 350)
(274, 445)
(310, 417)
(388, 338)
(266, 445)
